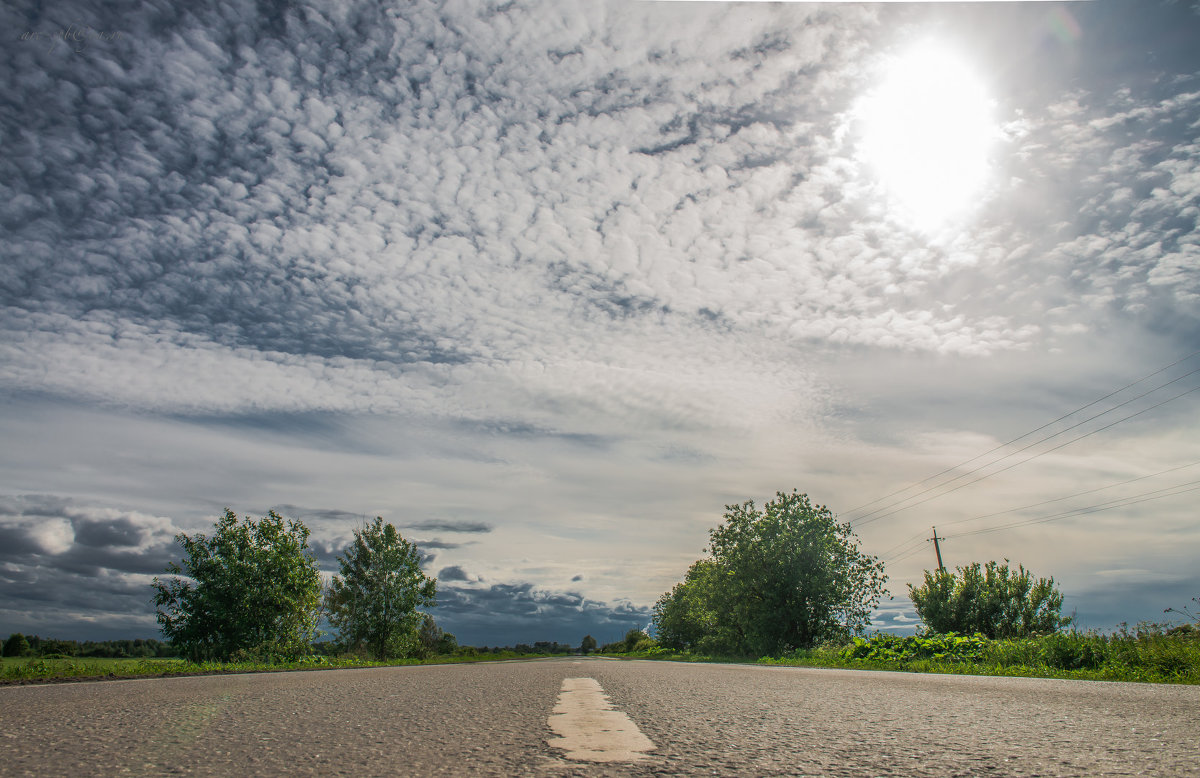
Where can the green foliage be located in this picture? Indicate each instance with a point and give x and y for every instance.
(587, 645)
(992, 600)
(685, 618)
(634, 640)
(51, 646)
(251, 590)
(373, 603)
(785, 577)
(1072, 651)
(40, 669)
(432, 640)
(16, 645)
(894, 648)
(1151, 653)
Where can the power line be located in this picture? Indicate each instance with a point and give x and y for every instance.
(1027, 434)
(1108, 506)
(1072, 496)
(911, 552)
(919, 536)
(1027, 459)
(1157, 494)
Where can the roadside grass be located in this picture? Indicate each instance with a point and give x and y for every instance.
(50, 669)
(1149, 654)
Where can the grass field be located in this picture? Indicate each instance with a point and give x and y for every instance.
(1148, 655)
(51, 669)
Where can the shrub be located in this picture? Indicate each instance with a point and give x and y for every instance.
(947, 647)
(251, 589)
(1073, 651)
(991, 600)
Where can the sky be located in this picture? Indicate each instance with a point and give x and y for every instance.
(547, 285)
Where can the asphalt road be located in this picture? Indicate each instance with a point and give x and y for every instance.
(493, 719)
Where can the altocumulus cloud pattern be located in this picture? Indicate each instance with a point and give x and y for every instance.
(590, 224)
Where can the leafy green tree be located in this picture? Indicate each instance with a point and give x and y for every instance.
(784, 577)
(56, 646)
(432, 640)
(992, 600)
(586, 646)
(446, 645)
(685, 617)
(16, 645)
(373, 603)
(252, 589)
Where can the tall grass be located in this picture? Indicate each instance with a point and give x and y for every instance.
(56, 668)
(1148, 653)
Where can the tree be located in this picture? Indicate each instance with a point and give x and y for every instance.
(252, 590)
(991, 600)
(586, 646)
(433, 640)
(685, 618)
(784, 577)
(15, 645)
(373, 603)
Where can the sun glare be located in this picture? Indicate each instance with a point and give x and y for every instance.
(927, 129)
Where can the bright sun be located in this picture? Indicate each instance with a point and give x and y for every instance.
(927, 130)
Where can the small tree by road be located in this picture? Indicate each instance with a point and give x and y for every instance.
(588, 645)
(782, 577)
(373, 602)
(992, 600)
(432, 640)
(16, 645)
(251, 590)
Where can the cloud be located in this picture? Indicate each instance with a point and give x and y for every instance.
(510, 613)
(436, 543)
(574, 277)
(448, 525)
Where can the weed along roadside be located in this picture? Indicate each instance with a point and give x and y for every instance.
(33, 670)
(1150, 654)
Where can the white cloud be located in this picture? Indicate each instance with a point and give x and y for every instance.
(621, 256)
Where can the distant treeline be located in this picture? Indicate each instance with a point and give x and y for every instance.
(18, 644)
(334, 648)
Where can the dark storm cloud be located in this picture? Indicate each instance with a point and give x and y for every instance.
(64, 559)
(449, 525)
(524, 613)
(16, 543)
(43, 505)
(436, 543)
(99, 534)
(452, 573)
(320, 514)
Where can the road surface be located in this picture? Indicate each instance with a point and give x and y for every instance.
(587, 716)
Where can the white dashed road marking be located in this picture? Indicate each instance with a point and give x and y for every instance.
(589, 729)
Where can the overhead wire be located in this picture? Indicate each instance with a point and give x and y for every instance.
(894, 549)
(864, 520)
(914, 544)
(1069, 496)
(1031, 432)
(1112, 504)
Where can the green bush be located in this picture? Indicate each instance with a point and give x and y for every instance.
(1073, 651)
(992, 600)
(893, 648)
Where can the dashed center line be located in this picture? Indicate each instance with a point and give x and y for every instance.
(589, 729)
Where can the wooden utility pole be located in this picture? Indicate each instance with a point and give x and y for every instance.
(938, 549)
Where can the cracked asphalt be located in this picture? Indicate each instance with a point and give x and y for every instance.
(491, 719)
